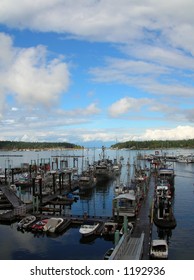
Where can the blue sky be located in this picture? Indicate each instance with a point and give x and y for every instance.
(96, 72)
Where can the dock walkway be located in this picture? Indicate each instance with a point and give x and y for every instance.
(137, 245)
(144, 223)
(11, 196)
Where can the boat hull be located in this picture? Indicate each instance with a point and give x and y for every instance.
(165, 223)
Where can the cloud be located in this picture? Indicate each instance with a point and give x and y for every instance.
(149, 76)
(29, 75)
(177, 133)
(108, 20)
(154, 45)
(90, 110)
(126, 105)
(106, 135)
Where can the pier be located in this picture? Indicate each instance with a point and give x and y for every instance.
(130, 246)
(137, 245)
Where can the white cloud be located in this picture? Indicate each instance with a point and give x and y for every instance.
(177, 133)
(27, 75)
(127, 104)
(156, 45)
(110, 20)
(120, 135)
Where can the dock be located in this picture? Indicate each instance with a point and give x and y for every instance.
(129, 247)
(137, 245)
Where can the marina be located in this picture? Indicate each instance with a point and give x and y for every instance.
(96, 204)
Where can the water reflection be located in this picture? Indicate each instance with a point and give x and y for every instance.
(164, 234)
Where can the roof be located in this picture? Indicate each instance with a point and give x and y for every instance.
(129, 196)
(157, 242)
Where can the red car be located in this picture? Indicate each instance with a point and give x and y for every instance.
(38, 226)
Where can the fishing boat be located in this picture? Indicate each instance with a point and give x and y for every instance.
(167, 173)
(103, 169)
(88, 228)
(159, 249)
(163, 216)
(26, 221)
(86, 181)
(53, 224)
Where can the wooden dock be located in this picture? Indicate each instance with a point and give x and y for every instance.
(137, 245)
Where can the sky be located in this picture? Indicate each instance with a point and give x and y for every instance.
(96, 72)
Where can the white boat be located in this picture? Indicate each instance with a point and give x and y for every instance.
(25, 222)
(159, 249)
(108, 253)
(53, 224)
(88, 228)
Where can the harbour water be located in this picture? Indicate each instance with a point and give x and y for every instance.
(17, 245)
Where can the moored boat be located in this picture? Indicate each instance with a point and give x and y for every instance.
(125, 204)
(38, 226)
(87, 181)
(159, 249)
(88, 228)
(166, 173)
(53, 224)
(163, 216)
(109, 228)
(108, 253)
(26, 221)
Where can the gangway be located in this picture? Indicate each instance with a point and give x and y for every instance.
(128, 248)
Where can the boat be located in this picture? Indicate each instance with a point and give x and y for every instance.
(26, 222)
(86, 181)
(163, 216)
(167, 173)
(120, 187)
(53, 224)
(125, 204)
(108, 253)
(88, 228)
(38, 226)
(66, 198)
(109, 228)
(103, 169)
(159, 249)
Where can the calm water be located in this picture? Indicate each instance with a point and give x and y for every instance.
(16, 245)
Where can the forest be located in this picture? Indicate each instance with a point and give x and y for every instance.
(20, 145)
(133, 145)
(155, 144)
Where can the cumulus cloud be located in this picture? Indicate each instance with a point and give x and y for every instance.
(29, 75)
(156, 49)
(120, 135)
(127, 104)
(177, 133)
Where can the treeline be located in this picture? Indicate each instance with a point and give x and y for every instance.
(20, 145)
(155, 144)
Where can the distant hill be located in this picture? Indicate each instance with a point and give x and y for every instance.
(20, 145)
(155, 144)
